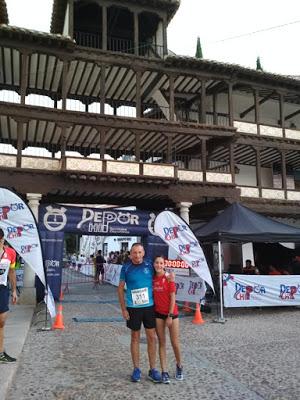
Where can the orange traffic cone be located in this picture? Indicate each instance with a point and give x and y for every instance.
(59, 319)
(61, 296)
(187, 307)
(198, 320)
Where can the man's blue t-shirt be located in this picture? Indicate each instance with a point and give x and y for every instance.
(138, 279)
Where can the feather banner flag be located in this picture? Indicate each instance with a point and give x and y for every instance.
(177, 234)
(21, 232)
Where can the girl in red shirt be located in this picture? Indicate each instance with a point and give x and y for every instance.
(166, 311)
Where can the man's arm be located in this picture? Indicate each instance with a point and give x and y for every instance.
(122, 300)
(13, 281)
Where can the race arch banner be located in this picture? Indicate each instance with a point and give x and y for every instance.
(261, 290)
(55, 220)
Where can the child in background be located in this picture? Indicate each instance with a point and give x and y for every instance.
(166, 312)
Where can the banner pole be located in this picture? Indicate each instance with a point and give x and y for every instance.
(221, 318)
(46, 328)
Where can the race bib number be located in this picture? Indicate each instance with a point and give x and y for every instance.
(140, 297)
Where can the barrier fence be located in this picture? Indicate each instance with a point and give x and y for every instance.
(76, 275)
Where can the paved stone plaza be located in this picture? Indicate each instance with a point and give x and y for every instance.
(254, 355)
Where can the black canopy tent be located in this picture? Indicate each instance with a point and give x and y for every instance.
(239, 224)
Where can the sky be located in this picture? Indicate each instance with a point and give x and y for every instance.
(217, 23)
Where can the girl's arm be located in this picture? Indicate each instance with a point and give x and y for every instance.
(169, 320)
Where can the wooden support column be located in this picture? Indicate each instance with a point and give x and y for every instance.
(232, 161)
(63, 146)
(282, 113)
(215, 107)
(102, 132)
(165, 36)
(71, 19)
(64, 85)
(283, 173)
(169, 149)
(136, 33)
(258, 171)
(102, 89)
(230, 103)
(20, 138)
(104, 28)
(24, 75)
(203, 102)
(203, 158)
(137, 151)
(257, 114)
(171, 98)
(138, 94)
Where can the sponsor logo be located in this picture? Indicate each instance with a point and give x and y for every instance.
(55, 219)
(243, 292)
(99, 221)
(186, 248)
(172, 232)
(12, 207)
(179, 286)
(194, 286)
(288, 292)
(17, 231)
(52, 263)
(28, 248)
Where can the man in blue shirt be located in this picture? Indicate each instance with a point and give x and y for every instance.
(137, 274)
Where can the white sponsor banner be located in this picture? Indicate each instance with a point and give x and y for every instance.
(87, 269)
(112, 273)
(178, 271)
(20, 231)
(261, 290)
(177, 234)
(187, 288)
(190, 289)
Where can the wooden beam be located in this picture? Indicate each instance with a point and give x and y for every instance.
(136, 33)
(172, 99)
(293, 114)
(104, 27)
(262, 101)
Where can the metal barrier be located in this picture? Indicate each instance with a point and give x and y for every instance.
(76, 275)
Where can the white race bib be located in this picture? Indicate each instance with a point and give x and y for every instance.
(140, 297)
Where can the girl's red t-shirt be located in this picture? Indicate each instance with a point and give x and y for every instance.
(162, 288)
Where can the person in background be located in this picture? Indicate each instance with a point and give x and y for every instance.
(250, 269)
(7, 272)
(74, 261)
(100, 261)
(273, 270)
(166, 313)
(295, 265)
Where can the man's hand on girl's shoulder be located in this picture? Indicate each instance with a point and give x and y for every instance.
(171, 277)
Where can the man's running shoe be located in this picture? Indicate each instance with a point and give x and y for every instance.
(179, 373)
(136, 375)
(165, 378)
(5, 358)
(154, 375)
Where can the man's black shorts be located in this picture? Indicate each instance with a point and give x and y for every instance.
(139, 315)
(4, 299)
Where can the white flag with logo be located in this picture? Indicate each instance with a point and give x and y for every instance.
(21, 232)
(177, 234)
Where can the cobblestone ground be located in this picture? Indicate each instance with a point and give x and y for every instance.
(254, 355)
